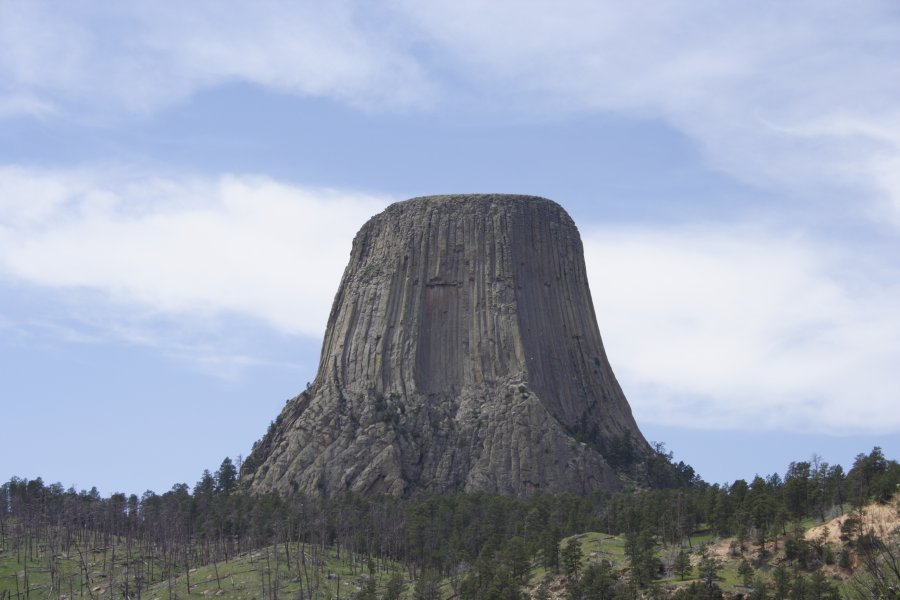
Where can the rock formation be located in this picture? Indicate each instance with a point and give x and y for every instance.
(462, 353)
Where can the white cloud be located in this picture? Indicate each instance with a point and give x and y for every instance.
(747, 325)
(795, 95)
(27, 199)
(96, 57)
(746, 328)
(798, 94)
(706, 326)
(191, 247)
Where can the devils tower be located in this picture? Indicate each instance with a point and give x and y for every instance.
(462, 353)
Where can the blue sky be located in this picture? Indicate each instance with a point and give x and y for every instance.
(180, 184)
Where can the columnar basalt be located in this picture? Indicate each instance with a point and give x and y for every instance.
(462, 353)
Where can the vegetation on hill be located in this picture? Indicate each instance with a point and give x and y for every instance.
(810, 533)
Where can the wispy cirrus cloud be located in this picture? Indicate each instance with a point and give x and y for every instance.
(94, 58)
(799, 97)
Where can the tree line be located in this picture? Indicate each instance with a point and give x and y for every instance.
(484, 545)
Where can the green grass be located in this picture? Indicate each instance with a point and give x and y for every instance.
(706, 536)
(249, 575)
(730, 579)
(245, 577)
(807, 523)
(14, 565)
(602, 546)
(597, 546)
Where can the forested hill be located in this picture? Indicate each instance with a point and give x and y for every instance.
(51, 538)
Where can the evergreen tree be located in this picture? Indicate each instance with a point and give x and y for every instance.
(369, 590)
(640, 550)
(503, 586)
(515, 556)
(799, 588)
(206, 486)
(708, 570)
(797, 489)
(570, 557)
(760, 589)
(682, 564)
(819, 588)
(698, 591)
(550, 547)
(428, 587)
(597, 583)
(746, 572)
(872, 475)
(782, 580)
(394, 587)
(226, 477)
(835, 484)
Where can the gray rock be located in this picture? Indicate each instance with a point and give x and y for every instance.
(462, 354)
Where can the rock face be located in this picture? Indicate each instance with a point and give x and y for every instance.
(462, 354)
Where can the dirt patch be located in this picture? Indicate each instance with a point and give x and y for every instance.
(883, 518)
(555, 586)
(720, 549)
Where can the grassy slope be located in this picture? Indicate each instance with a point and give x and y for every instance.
(246, 576)
(597, 546)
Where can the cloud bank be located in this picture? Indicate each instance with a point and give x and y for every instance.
(239, 245)
(746, 328)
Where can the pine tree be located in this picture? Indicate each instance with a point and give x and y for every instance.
(206, 486)
(708, 570)
(746, 572)
(597, 583)
(550, 546)
(394, 587)
(428, 587)
(760, 589)
(226, 477)
(570, 557)
(640, 550)
(682, 564)
(782, 579)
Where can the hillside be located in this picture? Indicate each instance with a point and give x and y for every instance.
(302, 570)
(760, 539)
